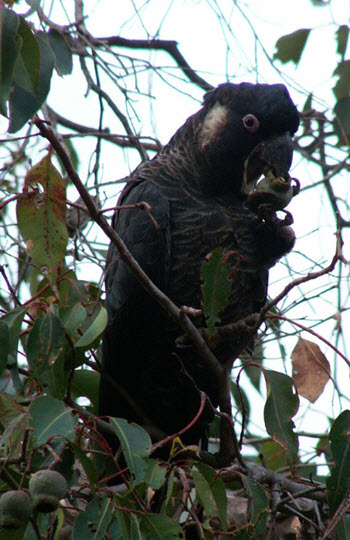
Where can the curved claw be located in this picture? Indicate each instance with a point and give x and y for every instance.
(288, 219)
(296, 188)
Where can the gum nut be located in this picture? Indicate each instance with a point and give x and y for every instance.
(15, 509)
(47, 488)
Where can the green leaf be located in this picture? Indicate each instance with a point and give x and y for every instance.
(123, 522)
(87, 464)
(94, 330)
(342, 123)
(135, 443)
(61, 51)
(72, 317)
(281, 405)
(27, 70)
(343, 528)
(45, 342)
(47, 351)
(216, 286)
(154, 474)
(170, 490)
(34, 4)
(10, 44)
(160, 527)
(307, 107)
(291, 46)
(275, 457)
(93, 523)
(338, 482)
(217, 487)
(31, 79)
(254, 372)
(86, 383)
(135, 531)
(41, 216)
(12, 436)
(4, 345)
(258, 504)
(49, 418)
(14, 320)
(115, 531)
(203, 492)
(342, 88)
(342, 37)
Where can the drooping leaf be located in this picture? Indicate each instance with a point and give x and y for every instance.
(160, 527)
(343, 528)
(252, 370)
(342, 123)
(216, 286)
(115, 531)
(338, 482)
(308, 103)
(72, 317)
(13, 422)
(12, 436)
(86, 383)
(169, 491)
(93, 523)
(96, 328)
(342, 88)
(203, 492)
(34, 4)
(27, 70)
(258, 504)
(4, 345)
(49, 354)
(155, 474)
(45, 342)
(86, 462)
(135, 443)
(32, 78)
(41, 216)
(50, 417)
(135, 530)
(13, 319)
(123, 520)
(281, 405)
(10, 44)
(342, 37)
(291, 46)
(311, 369)
(62, 52)
(275, 456)
(217, 488)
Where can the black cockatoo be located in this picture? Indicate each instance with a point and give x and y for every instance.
(197, 188)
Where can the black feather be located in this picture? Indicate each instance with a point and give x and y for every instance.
(195, 188)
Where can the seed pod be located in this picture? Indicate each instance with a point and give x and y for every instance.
(47, 488)
(276, 191)
(15, 509)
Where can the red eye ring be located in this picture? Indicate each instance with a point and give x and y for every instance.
(251, 123)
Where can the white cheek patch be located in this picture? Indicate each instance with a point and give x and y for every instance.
(214, 122)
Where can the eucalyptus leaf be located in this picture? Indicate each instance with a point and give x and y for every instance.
(281, 405)
(10, 45)
(290, 47)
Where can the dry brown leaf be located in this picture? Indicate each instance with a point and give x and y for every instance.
(311, 369)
